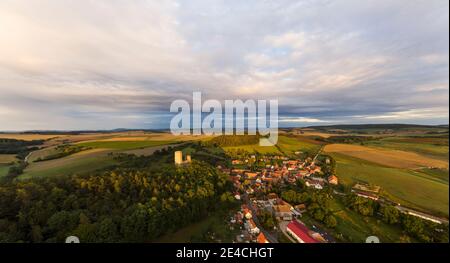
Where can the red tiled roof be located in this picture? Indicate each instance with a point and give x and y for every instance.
(301, 231)
(261, 238)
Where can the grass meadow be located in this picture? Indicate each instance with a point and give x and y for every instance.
(7, 158)
(414, 188)
(3, 170)
(77, 163)
(286, 145)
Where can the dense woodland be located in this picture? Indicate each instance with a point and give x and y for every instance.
(19, 147)
(124, 204)
(420, 229)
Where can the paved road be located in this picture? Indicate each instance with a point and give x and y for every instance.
(270, 237)
(26, 158)
(421, 214)
(283, 226)
(318, 153)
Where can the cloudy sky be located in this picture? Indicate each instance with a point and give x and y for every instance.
(107, 64)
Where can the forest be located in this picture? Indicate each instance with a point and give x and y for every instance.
(125, 204)
(19, 147)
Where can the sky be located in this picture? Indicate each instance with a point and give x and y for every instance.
(77, 65)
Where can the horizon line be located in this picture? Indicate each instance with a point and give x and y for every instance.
(165, 129)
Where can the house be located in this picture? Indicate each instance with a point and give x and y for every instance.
(316, 184)
(261, 239)
(283, 212)
(238, 217)
(366, 188)
(251, 175)
(367, 195)
(252, 228)
(301, 208)
(299, 232)
(333, 180)
(235, 162)
(318, 237)
(247, 213)
(314, 169)
(272, 196)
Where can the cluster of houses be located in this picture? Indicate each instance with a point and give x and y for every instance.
(250, 231)
(280, 209)
(285, 212)
(271, 170)
(288, 170)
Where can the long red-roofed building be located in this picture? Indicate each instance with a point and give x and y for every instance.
(300, 232)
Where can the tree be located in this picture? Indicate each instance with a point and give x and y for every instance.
(319, 215)
(330, 221)
(390, 214)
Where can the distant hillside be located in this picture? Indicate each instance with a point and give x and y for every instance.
(77, 132)
(377, 126)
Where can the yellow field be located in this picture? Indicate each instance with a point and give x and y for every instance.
(155, 137)
(55, 139)
(391, 158)
(7, 158)
(27, 137)
(149, 150)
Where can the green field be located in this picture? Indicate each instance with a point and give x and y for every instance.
(254, 149)
(124, 145)
(352, 227)
(7, 158)
(416, 189)
(357, 228)
(438, 174)
(431, 147)
(84, 161)
(77, 163)
(42, 153)
(3, 170)
(287, 145)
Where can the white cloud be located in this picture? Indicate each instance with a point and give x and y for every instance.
(412, 114)
(89, 64)
(301, 120)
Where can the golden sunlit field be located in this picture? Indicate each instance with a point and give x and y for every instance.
(7, 158)
(391, 158)
(96, 152)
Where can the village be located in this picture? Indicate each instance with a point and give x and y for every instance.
(254, 177)
(253, 187)
(266, 217)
